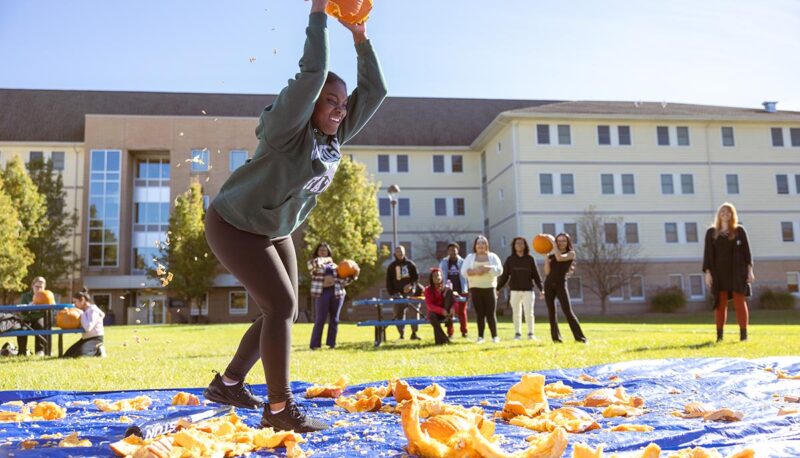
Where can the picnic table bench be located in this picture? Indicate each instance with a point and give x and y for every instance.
(380, 324)
(45, 334)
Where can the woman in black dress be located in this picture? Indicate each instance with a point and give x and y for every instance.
(556, 268)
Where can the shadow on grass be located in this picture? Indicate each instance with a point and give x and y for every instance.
(697, 346)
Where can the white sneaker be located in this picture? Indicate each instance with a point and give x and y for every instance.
(532, 337)
(39, 353)
(479, 341)
(517, 336)
(101, 351)
(496, 339)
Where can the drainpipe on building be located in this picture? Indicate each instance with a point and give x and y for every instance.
(708, 168)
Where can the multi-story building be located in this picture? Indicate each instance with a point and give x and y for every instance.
(499, 167)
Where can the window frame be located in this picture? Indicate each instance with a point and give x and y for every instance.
(238, 312)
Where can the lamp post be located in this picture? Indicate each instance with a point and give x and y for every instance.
(393, 191)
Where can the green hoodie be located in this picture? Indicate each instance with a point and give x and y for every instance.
(273, 193)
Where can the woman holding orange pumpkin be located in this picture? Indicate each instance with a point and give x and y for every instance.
(328, 293)
(557, 267)
(250, 222)
(91, 341)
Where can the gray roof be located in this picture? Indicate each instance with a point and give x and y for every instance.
(59, 115)
(657, 109)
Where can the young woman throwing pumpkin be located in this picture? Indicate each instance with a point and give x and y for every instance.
(249, 223)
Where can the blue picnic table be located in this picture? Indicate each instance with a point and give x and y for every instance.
(380, 324)
(46, 333)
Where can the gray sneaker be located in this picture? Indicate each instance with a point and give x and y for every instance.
(291, 419)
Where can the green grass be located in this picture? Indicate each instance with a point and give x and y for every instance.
(184, 355)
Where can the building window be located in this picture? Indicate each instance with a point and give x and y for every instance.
(237, 159)
(459, 209)
(604, 135)
(102, 301)
(663, 135)
(667, 186)
(628, 185)
(438, 163)
(777, 136)
(549, 228)
(383, 163)
(404, 206)
(546, 183)
(402, 163)
(687, 183)
(691, 232)
(407, 246)
(564, 135)
(567, 183)
(782, 182)
(237, 302)
(206, 201)
(457, 163)
(385, 247)
(671, 232)
(794, 134)
(611, 233)
(727, 136)
(104, 202)
(697, 287)
(607, 183)
(732, 183)
(151, 204)
(440, 206)
(683, 135)
(624, 133)
(575, 288)
(500, 194)
(637, 288)
(792, 282)
(787, 231)
(200, 160)
(572, 230)
(36, 156)
(384, 206)
(797, 183)
(58, 160)
(631, 233)
(676, 281)
(616, 294)
(543, 134)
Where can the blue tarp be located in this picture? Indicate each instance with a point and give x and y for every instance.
(722, 382)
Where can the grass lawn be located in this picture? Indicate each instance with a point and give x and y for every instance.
(175, 356)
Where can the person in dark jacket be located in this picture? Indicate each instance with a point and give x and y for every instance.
(521, 269)
(401, 282)
(556, 268)
(451, 269)
(728, 268)
(439, 303)
(249, 223)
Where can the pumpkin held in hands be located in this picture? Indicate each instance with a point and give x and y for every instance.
(350, 11)
(543, 243)
(44, 297)
(69, 318)
(348, 268)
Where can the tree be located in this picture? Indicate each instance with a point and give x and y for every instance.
(606, 263)
(53, 258)
(187, 266)
(346, 217)
(14, 255)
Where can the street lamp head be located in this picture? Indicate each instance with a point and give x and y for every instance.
(393, 191)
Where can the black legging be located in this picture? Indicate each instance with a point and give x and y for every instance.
(39, 342)
(84, 347)
(551, 292)
(268, 270)
(485, 302)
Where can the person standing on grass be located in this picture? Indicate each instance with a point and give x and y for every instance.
(520, 268)
(34, 319)
(439, 302)
(556, 268)
(482, 267)
(328, 293)
(249, 223)
(451, 269)
(401, 282)
(728, 268)
(91, 341)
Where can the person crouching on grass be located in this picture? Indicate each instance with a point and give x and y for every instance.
(439, 302)
(728, 268)
(91, 342)
(328, 293)
(250, 222)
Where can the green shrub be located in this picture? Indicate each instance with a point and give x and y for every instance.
(668, 300)
(776, 300)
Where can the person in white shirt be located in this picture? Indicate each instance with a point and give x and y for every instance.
(482, 267)
(91, 342)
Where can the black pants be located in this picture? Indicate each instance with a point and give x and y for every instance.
(84, 347)
(485, 302)
(268, 270)
(38, 341)
(551, 292)
(400, 314)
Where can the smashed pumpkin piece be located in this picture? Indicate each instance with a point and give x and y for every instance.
(620, 410)
(609, 396)
(571, 419)
(403, 391)
(587, 378)
(353, 405)
(526, 397)
(699, 410)
(557, 390)
(629, 427)
(28, 444)
(379, 391)
(183, 398)
(786, 376)
(74, 441)
(788, 411)
(584, 451)
(124, 405)
(41, 411)
(327, 391)
(651, 451)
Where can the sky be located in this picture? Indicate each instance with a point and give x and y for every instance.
(718, 52)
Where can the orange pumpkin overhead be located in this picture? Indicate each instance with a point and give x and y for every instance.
(350, 11)
(543, 243)
(348, 268)
(69, 318)
(44, 297)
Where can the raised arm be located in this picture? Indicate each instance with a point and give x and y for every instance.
(568, 256)
(292, 109)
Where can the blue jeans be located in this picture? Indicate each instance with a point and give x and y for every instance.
(327, 307)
